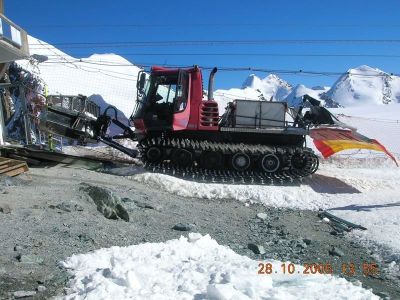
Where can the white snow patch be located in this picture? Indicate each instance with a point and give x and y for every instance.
(192, 267)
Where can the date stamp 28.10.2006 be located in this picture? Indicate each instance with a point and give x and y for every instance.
(346, 268)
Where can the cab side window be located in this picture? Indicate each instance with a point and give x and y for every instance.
(165, 93)
(182, 90)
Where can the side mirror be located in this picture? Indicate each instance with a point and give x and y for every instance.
(142, 81)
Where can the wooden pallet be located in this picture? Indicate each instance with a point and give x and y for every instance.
(12, 167)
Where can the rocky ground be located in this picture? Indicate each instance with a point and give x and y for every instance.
(53, 212)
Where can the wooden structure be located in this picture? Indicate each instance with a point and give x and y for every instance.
(12, 167)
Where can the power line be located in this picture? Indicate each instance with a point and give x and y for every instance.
(179, 25)
(257, 54)
(231, 69)
(220, 42)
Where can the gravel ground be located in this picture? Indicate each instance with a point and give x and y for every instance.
(48, 215)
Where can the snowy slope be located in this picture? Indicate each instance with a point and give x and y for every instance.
(365, 85)
(196, 267)
(99, 76)
(294, 99)
(381, 122)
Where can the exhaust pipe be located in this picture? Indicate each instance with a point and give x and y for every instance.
(211, 84)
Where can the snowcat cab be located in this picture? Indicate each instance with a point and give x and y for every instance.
(172, 100)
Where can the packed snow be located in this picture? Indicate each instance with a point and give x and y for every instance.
(196, 267)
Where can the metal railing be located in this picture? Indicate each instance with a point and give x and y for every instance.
(80, 104)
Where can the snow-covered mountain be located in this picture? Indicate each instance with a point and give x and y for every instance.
(360, 86)
(255, 88)
(364, 85)
(295, 98)
(270, 86)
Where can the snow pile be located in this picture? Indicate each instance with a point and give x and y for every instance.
(193, 268)
(365, 85)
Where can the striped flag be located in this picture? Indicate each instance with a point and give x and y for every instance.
(332, 140)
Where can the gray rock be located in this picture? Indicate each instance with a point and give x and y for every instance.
(30, 259)
(64, 206)
(307, 241)
(383, 295)
(107, 273)
(5, 209)
(126, 200)
(41, 288)
(23, 294)
(182, 227)
(78, 207)
(109, 204)
(336, 252)
(85, 238)
(121, 212)
(146, 205)
(262, 216)
(257, 249)
(18, 248)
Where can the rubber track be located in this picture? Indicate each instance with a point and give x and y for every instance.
(287, 175)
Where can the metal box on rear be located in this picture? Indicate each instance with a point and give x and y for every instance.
(259, 114)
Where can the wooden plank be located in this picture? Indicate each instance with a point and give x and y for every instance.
(4, 161)
(12, 167)
(17, 171)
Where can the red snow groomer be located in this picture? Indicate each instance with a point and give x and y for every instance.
(179, 131)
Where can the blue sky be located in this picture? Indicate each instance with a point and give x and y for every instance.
(222, 20)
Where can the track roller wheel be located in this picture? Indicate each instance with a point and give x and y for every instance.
(298, 161)
(182, 157)
(270, 163)
(212, 160)
(153, 154)
(240, 161)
